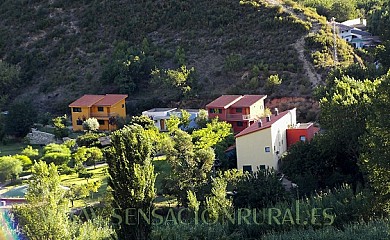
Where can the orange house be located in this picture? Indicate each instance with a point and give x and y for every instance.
(105, 108)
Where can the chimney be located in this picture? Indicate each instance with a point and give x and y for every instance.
(276, 111)
(259, 123)
(268, 118)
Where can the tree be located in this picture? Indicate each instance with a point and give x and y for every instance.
(343, 10)
(26, 161)
(9, 78)
(44, 217)
(82, 191)
(144, 121)
(89, 139)
(202, 119)
(376, 144)
(185, 119)
(10, 167)
(173, 124)
(272, 83)
(191, 168)
(91, 124)
(217, 204)
(30, 152)
(93, 155)
(259, 189)
(345, 108)
(20, 119)
(59, 154)
(132, 178)
(60, 129)
(181, 78)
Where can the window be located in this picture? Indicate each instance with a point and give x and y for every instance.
(215, 110)
(262, 167)
(247, 168)
(79, 122)
(76, 109)
(238, 110)
(101, 122)
(302, 138)
(123, 105)
(267, 149)
(100, 109)
(240, 124)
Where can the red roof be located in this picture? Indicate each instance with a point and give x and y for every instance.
(224, 101)
(248, 100)
(111, 99)
(100, 100)
(86, 101)
(254, 127)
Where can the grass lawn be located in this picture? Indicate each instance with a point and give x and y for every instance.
(11, 148)
(163, 169)
(98, 174)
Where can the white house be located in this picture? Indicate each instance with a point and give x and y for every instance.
(349, 31)
(161, 115)
(262, 144)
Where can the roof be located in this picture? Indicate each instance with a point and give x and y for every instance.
(302, 125)
(100, 100)
(248, 100)
(255, 128)
(86, 101)
(160, 110)
(224, 101)
(111, 99)
(360, 32)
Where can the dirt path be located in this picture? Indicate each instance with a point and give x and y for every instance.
(299, 45)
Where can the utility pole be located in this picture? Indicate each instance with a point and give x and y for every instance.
(335, 59)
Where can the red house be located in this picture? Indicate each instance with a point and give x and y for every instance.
(240, 111)
(300, 132)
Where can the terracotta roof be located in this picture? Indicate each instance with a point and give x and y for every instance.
(100, 100)
(86, 101)
(254, 127)
(111, 99)
(224, 101)
(248, 100)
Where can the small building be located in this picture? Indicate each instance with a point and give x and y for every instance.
(105, 108)
(240, 111)
(161, 115)
(301, 132)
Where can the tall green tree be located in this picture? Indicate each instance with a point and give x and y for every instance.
(60, 129)
(345, 108)
(191, 168)
(376, 146)
(132, 178)
(20, 119)
(44, 217)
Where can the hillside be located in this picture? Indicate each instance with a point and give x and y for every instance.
(68, 48)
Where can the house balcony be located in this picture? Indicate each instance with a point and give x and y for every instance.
(238, 117)
(103, 115)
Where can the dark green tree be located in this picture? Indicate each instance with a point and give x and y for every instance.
(132, 178)
(60, 126)
(376, 146)
(191, 168)
(20, 119)
(259, 189)
(144, 121)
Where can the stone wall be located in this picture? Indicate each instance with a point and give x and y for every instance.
(40, 138)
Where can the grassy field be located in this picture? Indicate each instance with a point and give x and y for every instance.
(161, 165)
(11, 148)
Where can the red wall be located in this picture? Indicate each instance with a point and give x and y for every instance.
(222, 116)
(293, 135)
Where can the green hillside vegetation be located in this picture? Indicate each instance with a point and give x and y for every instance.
(59, 50)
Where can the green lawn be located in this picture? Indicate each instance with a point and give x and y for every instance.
(11, 148)
(162, 168)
